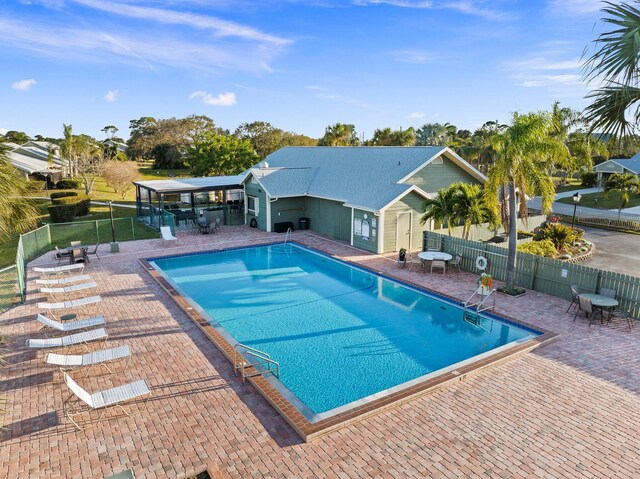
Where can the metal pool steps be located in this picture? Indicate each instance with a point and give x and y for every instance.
(472, 316)
(253, 362)
(286, 238)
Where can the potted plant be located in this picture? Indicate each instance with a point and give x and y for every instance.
(484, 284)
(402, 255)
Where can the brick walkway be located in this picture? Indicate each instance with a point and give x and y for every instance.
(570, 409)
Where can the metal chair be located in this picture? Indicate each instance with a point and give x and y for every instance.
(609, 293)
(60, 255)
(574, 296)
(94, 252)
(456, 262)
(415, 260)
(584, 304)
(626, 313)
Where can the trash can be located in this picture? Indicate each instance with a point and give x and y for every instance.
(304, 223)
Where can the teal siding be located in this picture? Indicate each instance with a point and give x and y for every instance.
(254, 189)
(287, 209)
(370, 243)
(435, 176)
(411, 202)
(329, 217)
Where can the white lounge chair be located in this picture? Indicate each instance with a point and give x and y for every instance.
(59, 281)
(69, 289)
(71, 325)
(166, 233)
(113, 397)
(101, 357)
(67, 268)
(75, 303)
(70, 340)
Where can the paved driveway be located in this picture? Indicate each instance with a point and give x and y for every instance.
(616, 251)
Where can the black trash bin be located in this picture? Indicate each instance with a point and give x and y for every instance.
(304, 223)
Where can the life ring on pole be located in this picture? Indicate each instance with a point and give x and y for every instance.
(481, 263)
(253, 223)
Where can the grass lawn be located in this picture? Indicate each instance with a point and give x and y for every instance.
(598, 200)
(84, 229)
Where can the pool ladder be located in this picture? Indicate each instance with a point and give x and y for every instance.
(473, 316)
(252, 362)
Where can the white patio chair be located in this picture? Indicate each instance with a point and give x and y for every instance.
(87, 323)
(69, 289)
(439, 264)
(70, 340)
(103, 400)
(456, 262)
(75, 303)
(67, 268)
(101, 357)
(166, 233)
(68, 280)
(414, 260)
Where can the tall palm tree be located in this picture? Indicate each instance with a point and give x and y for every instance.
(623, 183)
(524, 151)
(440, 208)
(615, 64)
(67, 150)
(470, 207)
(18, 213)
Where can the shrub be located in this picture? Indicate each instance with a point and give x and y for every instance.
(61, 194)
(540, 248)
(79, 205)
(68, 184)
(558, 233)
(62, 213)
(589, 179)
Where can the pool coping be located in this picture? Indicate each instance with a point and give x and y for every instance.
(308, 430)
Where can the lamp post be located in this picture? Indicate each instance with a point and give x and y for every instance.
(114, 244)
(576, 199)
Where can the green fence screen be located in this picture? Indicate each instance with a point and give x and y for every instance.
(546, 275)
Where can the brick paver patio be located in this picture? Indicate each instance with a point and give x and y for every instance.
(570, 409)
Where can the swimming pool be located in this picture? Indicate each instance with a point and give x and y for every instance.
(342, 335)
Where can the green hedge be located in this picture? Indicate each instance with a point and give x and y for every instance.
(62, 213)
(68, 184)
(62, 194)
(68, 207)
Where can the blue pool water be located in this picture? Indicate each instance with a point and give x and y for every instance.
(339, 333)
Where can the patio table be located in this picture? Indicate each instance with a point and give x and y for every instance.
(431, 255)
(601, 301)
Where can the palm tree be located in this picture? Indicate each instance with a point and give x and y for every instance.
(524, 151)
(615, 64)
(623, 183)
(66, 151)
(18, 213)
(470, 207)
(439, 209)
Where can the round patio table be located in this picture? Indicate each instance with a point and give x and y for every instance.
(431, 255)
(600, 300)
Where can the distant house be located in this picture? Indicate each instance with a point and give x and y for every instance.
(371, 197)
(618, 165)
(119, 146)
(36, 159)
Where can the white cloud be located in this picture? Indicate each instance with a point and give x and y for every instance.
(324, 94)
(412, 56)
(469, 7)
(575, 7)
(222, 99)
(24, 85)
(550, 80)
(416, 115)
(111, 96)
(3, 131)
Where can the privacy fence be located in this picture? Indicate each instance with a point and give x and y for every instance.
(43, 239)
(537, 273)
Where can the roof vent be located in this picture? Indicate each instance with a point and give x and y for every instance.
(264, 165)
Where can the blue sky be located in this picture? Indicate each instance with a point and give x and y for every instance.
(298, 64)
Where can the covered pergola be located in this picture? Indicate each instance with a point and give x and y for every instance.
(187, 198)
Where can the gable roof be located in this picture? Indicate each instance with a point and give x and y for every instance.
(364, 177)
(29, 164)
(631, 164)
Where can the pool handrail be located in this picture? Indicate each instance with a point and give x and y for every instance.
(263, 359)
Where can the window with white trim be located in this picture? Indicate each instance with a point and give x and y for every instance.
(253, 205)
